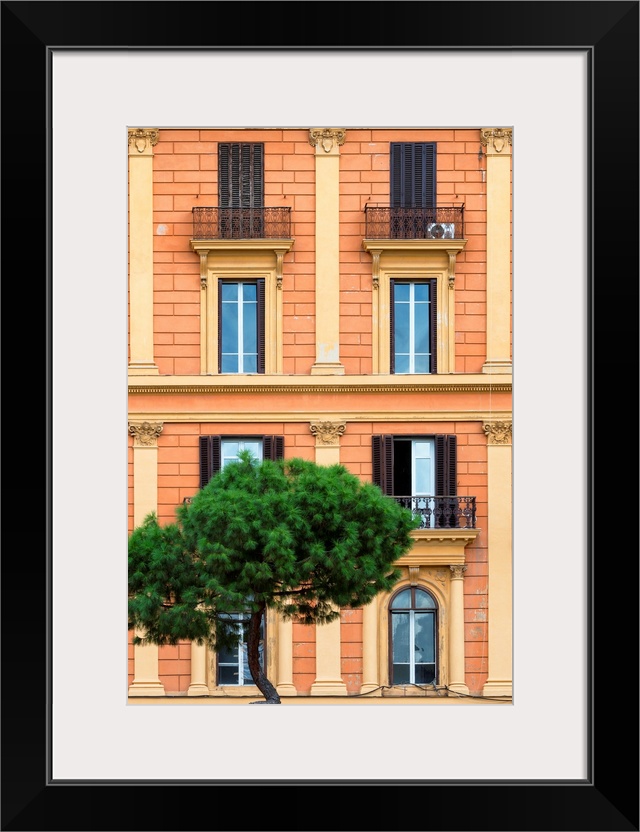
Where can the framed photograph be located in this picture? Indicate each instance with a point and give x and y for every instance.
(562, 79)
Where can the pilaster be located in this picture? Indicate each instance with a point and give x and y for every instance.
(498, 144)
(141, 358)
(499, 478)
(145, 500)
(327, 143)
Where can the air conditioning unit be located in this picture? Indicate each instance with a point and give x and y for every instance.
(441, 230)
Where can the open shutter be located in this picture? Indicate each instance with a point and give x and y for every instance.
(382, 457)
(392, 325)
(446, 479)
(413, 174)
(210, 459)
(433, 325)
(260, 291)
(273, 447)
(219, 326)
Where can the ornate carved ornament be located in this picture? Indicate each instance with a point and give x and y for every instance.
(328, 433)
(327, 139)
(498, 433)
(143, 140)
(497, 138)
(145, 434)
(457, 571)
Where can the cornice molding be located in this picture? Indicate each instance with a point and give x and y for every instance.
(341, 385)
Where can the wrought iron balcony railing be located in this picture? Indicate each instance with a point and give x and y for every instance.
(442, 512)
(441, 223)
(241, 223)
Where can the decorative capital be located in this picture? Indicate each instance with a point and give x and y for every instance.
(457, 571)
(328, 433)
(498, 433)
(328, 139)
(497, 140)
(145, 434)
(141, 141)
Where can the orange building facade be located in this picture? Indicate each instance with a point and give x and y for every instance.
(341, 295)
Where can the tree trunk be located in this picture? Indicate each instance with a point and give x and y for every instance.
(253, 655)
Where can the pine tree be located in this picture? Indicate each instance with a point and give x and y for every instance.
(289, 535)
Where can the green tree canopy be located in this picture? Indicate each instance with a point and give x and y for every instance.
(290, 535)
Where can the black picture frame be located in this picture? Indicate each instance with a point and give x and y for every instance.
(607, 800)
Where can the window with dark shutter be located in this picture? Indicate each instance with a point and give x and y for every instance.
(211, 452)
(413, 333)
(241, 326)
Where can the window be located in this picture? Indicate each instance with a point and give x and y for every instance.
(218, 451)
(420, 472)
(233, 663)
(413, 322)
(241, 326)
(413, 629)
(240, 190)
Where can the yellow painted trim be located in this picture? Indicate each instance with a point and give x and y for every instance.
(414, 259)
(220, 259)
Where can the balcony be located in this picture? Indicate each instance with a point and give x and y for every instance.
(446, 512)
(241, 223)
(387, 223)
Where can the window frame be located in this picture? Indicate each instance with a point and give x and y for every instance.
(435, 612)
(239, 653)
(432, 322)
(260, 284)
(210, 451)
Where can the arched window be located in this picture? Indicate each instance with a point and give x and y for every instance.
(413, 628)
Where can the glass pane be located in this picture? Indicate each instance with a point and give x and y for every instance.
(400, 674)
(228, 675)
(249, 291)
(255, 448)
(401, 291)
(424, 637)
(421, 330)
(421, 291)
(250, 328)
(250, 363)
(423, 477)
(230, 291)
(229, 327)
(424, 600)
(229, 364)
(402, 363)
(401, 324)
(421, 364)
(402, 600)
(400, 637)
(425, 674)
(229, 451)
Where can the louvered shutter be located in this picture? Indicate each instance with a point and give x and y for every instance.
(219, 326)
(273, 447)
(210, 458)
(260, 292)
(240, 175)
(382, 458)
(413, 175)
(446, 479)
(392, 333)
(433, 325)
